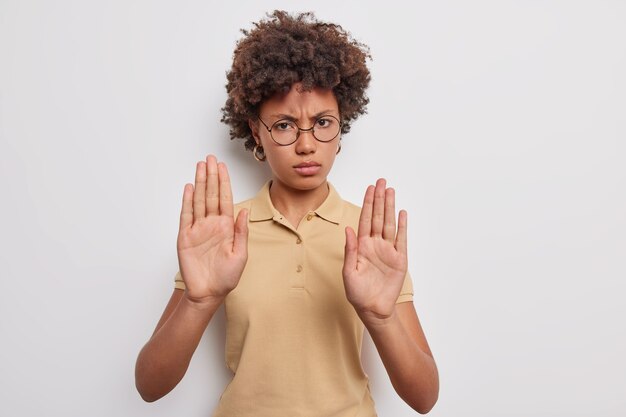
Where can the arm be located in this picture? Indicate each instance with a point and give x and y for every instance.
(406, 355)
(164, 360)
(212, 252)
(375, 265)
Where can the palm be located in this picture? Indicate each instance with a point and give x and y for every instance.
(376, 263)
(211, 245)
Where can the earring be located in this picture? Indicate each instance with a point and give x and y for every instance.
(258, 153)
(339, 147)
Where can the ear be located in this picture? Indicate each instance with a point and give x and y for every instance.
(254, 128)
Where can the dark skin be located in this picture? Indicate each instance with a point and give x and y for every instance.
(212, 251)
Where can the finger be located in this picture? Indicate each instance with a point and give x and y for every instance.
(186, 213)
(401, 245)
(240, 242)
(350, 255)
(378, 211)
(389, 226)
(212, 187)
(365, 220)
(226, 194)
(199, 209)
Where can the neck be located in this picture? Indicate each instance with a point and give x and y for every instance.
(295, 204)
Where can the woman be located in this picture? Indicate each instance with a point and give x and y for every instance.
(299, 284)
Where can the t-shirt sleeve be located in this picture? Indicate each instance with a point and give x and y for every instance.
(406, 293)
(178, 281)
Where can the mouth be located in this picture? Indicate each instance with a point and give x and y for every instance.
(307, 164)
(307, 168)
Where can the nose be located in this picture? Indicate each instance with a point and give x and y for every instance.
(306, 142)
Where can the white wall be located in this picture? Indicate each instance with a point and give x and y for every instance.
(501, 124)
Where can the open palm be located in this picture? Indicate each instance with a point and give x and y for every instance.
(212, 246)
(375, 262)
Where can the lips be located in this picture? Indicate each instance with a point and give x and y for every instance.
(307, 168)
(307, 164)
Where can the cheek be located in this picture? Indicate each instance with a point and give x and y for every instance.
(277, 158)
(263, 140)
(332, 150)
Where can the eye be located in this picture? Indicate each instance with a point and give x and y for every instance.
(284, 125)
(324, 122)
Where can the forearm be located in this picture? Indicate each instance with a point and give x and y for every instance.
(163, 361)
(412, 371)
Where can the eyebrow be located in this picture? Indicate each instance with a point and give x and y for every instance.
(281, 116)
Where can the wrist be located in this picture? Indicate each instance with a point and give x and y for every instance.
(372, 319)
(210, 302)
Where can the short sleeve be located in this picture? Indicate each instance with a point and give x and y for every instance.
(178, 281)
(406, 293)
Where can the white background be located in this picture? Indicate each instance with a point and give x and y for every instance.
(501, 124)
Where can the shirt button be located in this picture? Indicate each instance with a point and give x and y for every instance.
(309, 217)
(298, 241)
(299, 268)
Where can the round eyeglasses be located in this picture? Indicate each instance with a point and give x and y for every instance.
(286, 131)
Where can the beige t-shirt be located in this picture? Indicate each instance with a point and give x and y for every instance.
(293, 341)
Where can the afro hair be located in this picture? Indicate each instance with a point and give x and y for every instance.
(282, 50)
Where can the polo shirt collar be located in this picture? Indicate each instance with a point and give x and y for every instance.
(262, 208)
(332, 208)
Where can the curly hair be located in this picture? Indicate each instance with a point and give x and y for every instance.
(282, 50)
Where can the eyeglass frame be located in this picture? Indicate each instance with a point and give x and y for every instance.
(311, 129)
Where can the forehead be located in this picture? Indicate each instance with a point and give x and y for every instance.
(300, 103)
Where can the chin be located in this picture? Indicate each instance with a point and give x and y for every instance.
(305, 183)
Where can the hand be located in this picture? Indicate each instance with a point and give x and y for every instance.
(375, 263)
(212, 247)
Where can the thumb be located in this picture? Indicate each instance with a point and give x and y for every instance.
(350, 256)
(240, 243)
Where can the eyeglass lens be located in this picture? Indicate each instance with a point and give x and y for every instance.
(286, 132)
